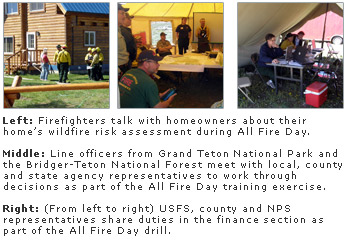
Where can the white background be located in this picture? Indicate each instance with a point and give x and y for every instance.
(327, 129)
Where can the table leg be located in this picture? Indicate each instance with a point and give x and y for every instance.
(275, 76)
(301, 83)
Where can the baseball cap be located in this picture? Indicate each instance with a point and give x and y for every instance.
(128, 16)
(120, 7)
(163, 33)
(58, 46)
(148, 55)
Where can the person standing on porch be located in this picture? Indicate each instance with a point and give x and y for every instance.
(44, 66)
(64, 61)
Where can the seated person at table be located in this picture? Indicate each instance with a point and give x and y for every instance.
(299, 38)
(288, 41)
(269, 52)
(137, 88)
(163, 45)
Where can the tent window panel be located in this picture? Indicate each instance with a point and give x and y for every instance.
(8, 45)
(89, 38)
(36, 6)
(11, 8)
(158, 27)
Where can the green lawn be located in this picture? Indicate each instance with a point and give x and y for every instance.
(96, 98)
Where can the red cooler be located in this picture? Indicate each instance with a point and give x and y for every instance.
(316, 94)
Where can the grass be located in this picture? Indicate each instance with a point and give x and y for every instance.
(96, 98)
(289, 92)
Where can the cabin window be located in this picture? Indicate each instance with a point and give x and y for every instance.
(89, 38)
(8, 44)
(93, 23)
(105, 24)
(82, 23)
(11, 8)
(158, 27)
(36, 6)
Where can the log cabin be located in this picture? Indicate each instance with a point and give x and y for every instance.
(31, 27)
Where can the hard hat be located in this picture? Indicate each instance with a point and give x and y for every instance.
(64, 46)
(89, 49)
(93, 50)
(98, 49)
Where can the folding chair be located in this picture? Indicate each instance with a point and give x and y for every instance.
(332, 53)
(243, 83)
(254, 60)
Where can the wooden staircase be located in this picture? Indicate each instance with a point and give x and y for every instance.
(23, 60)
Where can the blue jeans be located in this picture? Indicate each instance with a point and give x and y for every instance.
(44, 71)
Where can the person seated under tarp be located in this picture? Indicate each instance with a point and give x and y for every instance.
(163, 46)
(269, 52)
(287, 42)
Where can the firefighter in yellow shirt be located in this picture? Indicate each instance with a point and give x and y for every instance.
(88, 59)
(56, 57)
(95, 65)
(101, 61)
(64, 61)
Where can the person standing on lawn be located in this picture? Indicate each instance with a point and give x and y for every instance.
(64, 61)
(44, 65)
(55, 59)
(95, 65)
(101, 61)
(88, 59)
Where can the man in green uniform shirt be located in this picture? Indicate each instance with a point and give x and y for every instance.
(137, 88)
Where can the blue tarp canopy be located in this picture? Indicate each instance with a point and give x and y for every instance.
(93, 8)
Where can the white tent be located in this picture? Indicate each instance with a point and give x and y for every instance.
(255, 20)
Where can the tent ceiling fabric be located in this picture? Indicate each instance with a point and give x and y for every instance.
(255, 20)
(172, 9)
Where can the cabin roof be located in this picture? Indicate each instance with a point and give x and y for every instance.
(93, 8)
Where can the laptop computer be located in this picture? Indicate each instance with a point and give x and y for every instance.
(289, 53)
(300, 55)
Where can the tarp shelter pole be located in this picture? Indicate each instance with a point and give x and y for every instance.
(325, 23)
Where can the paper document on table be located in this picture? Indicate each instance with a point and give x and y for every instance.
(282, 62)
(294, 63)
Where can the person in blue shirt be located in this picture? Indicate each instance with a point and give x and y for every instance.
(269, 52)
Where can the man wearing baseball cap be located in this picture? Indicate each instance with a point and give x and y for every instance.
(163, 45)
(88, 59)
(129, 39)
(123, 55)
(64, 61)
(137, 88)
(56, 57)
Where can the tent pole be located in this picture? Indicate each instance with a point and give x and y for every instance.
(325, 23)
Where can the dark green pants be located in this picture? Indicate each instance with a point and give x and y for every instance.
(64, 70)
(96, 72)
(268, 72)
